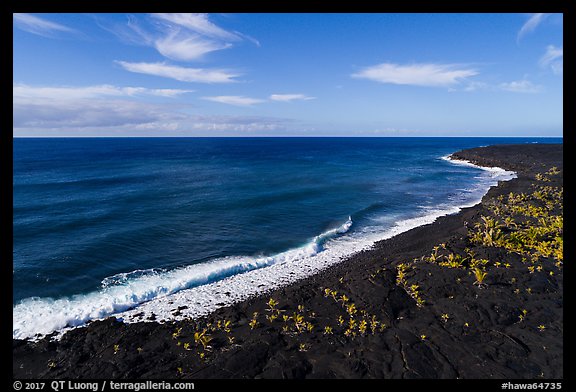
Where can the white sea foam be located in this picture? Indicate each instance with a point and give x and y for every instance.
(203, 288)
(127, 290)
(495, 172)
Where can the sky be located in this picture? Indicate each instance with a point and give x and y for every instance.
(165, 74)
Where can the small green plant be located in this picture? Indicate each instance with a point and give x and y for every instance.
(328, 330)
(452, 260)
(271, 317)
(522, 316)
(362, 326)
(334, 295)
(351, 309)
(202, 338)
(176, 333)
(272, 304)
(116, 349)
(401, 274)
(480, 276)
(299, 323)
(254, 322)
(351, 328)
(374, 324)
(510, 223)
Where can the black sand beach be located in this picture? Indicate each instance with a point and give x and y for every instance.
(403, 309)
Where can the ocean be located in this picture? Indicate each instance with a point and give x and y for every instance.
(117, 226)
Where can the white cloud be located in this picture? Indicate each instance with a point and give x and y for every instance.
(35, 25)
(98, 117)
(476, 86)
(107, 110)
(198, 23)
(520, 86)
(185, 47)
(65, 92)
(531, 24)
(179, 37)
(238, 123)
(553, 58)
(517, 86)
(290, 97)
(88, 106)
(236, 100)
(183, 74)
(72, 113)
(429, 75)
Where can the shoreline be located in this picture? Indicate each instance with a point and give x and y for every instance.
(263, 351)
(248, 278)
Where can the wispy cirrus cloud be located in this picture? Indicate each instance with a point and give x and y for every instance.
(520, 86)
(176, 36)
(183, 74)
(180, 37)
(240, 100)
(198, 23)
(290, 97)
(235, 100)
(553, 58)
(201, 24)
(39, 26)
(423, 74)
(517, 86)
(22, 91)
(176, 47)
(530, 25)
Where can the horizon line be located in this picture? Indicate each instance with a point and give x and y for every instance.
(276, 137)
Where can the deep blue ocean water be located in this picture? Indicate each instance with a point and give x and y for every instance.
(93, 213)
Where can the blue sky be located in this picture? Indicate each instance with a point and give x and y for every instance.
(288, 75)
